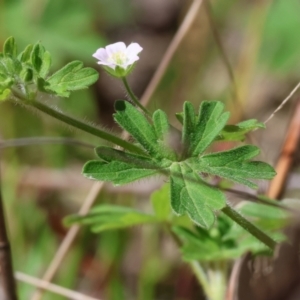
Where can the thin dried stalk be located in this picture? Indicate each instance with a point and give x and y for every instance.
(52, 287)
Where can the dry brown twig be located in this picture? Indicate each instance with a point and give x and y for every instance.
(88, 202)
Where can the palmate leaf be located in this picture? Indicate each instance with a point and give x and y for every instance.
(191, 195)
(234, 165)
(108, 217)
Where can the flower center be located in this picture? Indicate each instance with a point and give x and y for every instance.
(118, 58)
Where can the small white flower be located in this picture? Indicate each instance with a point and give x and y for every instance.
(116, 56)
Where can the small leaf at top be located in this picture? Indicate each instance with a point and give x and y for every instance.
(70, 78)
(41, 60)
(10, 47)
(25, 55)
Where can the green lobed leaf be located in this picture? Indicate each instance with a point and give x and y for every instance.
(10, 66)
(209, 123)
(108, 217)
(191, 195)
(10, 48)
(234, 165)
(238, 132)
(134, 122)
(70, 78)
(161, 202)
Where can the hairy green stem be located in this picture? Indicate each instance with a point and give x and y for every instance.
(79, 124)
(85, 127)
(134, 98)
(252, 229)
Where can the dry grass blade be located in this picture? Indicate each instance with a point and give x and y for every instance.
(88, 202)
(283, 102)
(52, 287)
(183, 29)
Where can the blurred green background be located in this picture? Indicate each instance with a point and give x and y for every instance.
(42, 183)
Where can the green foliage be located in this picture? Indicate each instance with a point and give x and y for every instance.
(160, 202)
(234, 165)
(27, 73)
(70, 78)
(107, 217)
(238, 132)
(227, 240)
(190, 193)
(234, 132)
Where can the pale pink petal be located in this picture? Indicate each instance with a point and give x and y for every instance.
(134, 49)
(116, 47)
(132, 59)
(109, 64)
(101, 54)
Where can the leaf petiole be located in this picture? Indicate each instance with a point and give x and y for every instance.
(248, 226)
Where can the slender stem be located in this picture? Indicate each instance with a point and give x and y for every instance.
(6, 269)
(85, 127)
(134, 98)
(77, 123)
(201, 277)
(255, 231)
(21, 142)
(217, 275)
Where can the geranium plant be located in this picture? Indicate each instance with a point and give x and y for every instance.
(24, 78)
